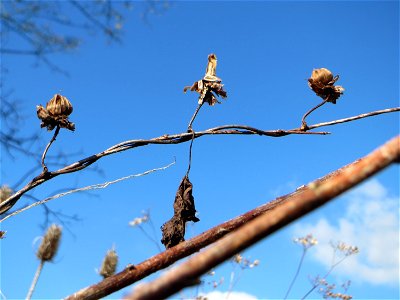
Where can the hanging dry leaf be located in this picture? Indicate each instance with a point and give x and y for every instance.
(322, 83)
(184, 211)
(56, 113)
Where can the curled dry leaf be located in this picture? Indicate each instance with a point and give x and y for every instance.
(56, 113)
(184, 211)
(322, 83)
(210, 86)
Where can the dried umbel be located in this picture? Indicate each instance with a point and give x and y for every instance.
(184, 211)
(210, 86)
(50, 243)
(322, 83)
(56, 113)
(109, 265)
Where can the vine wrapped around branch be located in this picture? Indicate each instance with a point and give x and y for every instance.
(174, 139)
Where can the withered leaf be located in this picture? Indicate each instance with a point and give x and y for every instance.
(173, 232)
(184, 211)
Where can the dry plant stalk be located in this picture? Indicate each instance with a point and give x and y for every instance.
(55, 115)
(209, 87)
(173, 139)
(322, 83)
(46, 252)
(373, 163)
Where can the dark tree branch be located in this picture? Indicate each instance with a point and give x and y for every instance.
(334, 181)
(171, 139)
(314, 195)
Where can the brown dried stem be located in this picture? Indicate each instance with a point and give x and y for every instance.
(368, 165)
(171, 140)
(314, 195)
(303, 119)
(194, 116)
(45, 170)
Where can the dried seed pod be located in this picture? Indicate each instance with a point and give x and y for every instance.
(322, 83)
(49, 246)
(211, 71)
(322, 75)
(109, 265)
(210, 86)
(56, 113)
(59, 106)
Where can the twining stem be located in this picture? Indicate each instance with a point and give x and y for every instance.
(190, 154)
(48, 146)
(35, 280)
(303, 120)
(297, 273)
(194, 115)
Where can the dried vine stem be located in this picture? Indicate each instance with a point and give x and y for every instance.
(83, 189)
(313, 197)
(173, 139)
(130, 275)
(47, 148)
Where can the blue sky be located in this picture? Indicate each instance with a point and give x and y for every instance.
(266, 51)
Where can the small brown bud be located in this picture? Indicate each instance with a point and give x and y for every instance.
(49, 246)
(109, 265)
(59, 106)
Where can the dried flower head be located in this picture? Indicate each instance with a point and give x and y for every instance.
(5, 192)
(345, 249)
(50, 242)
(322, 83)
(56, 113)
(109, 265)
(210, 86)
(307, 242)
(2, 234)
(139, 220)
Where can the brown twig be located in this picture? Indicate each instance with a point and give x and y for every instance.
(134, 273)
(314, 196)
(194, 116)
(47, 148)
(303, 119)
(171, 140)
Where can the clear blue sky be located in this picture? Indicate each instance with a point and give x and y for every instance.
(266, 51)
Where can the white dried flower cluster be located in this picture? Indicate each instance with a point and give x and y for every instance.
(244, 262)
(139, 220)
(307, 242)
(346, 249)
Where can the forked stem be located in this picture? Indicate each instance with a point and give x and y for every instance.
(48, 146)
